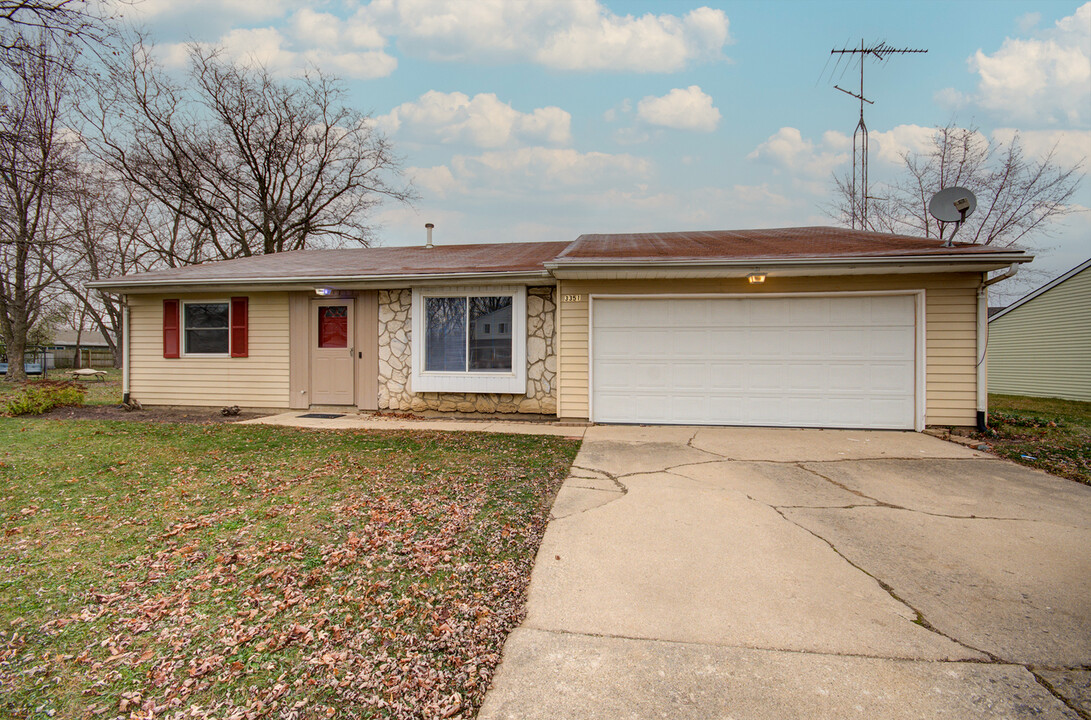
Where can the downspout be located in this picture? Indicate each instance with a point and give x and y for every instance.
(124, 350)
(983, 345)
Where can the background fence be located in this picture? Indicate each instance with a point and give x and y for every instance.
(88, 358)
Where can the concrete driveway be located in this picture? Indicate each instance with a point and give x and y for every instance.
(720, 573)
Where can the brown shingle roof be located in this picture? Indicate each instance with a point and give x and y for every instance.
(367, 262)
(362, 264)
(824, 242)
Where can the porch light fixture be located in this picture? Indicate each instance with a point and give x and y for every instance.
(323, 291)
(756, 278)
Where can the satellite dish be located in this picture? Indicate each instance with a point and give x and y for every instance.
(953, 204)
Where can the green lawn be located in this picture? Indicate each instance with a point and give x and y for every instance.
(1046, 433)
(245, 571)
(96, 392)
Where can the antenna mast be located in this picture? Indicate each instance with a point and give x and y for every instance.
(859, 136)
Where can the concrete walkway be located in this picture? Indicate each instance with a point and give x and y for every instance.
(756, 573)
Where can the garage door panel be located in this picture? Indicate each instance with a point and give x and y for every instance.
(803, 377)
(809, 311)
(770, 313)
(829, 361)
(892, 379)
(892, 310)
(697, 340)
(726, 377)
(693, 377)
(893, 344)
(728, 342)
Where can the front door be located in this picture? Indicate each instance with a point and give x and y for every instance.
(332, 353)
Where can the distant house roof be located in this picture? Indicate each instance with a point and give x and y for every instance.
(88, 338)
(796, 247)
(1044, 289)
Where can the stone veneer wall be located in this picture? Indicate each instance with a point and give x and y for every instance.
(395, 358)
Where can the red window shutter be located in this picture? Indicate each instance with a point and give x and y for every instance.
(240, 331)
(171, 329)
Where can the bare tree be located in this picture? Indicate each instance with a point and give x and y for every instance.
(108, 229)
(251, 164)
(36, 167)
(1018, 197)
(61, 21)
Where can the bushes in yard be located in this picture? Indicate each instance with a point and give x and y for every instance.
(42, 396)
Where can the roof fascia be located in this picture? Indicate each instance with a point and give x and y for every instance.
(309, 283)
(1044, 289)
(783, 267)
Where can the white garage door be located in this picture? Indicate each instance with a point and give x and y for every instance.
(845, 362)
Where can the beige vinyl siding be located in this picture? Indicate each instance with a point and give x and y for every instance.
(259, 380)
(950, 324)
(1043, 347)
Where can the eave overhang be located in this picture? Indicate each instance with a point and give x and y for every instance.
(310, 283)
(589, 269)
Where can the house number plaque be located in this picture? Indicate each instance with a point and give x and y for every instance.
(571, 298)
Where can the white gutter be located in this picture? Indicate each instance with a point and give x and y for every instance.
(983, 345)
(749, 262)
(124, 350)
(347, 282)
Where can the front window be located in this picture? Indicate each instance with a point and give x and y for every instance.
(470, 341)
(465, 334)
(206, 328)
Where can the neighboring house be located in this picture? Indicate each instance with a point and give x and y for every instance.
(1040, 345)
(75, 348)
(798, 327)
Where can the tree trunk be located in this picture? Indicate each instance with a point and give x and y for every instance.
(17, 345)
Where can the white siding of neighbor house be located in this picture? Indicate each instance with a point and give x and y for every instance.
(257, 381)
(1043, 347)
(950, 324)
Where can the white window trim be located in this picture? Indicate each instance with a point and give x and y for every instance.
(182, 328)
(513, 383)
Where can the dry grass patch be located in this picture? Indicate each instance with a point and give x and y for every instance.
(228, 571)
(1047, 433)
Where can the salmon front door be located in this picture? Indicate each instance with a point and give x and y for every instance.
(332, 353)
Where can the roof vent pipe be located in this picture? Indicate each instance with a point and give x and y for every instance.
(428, 227)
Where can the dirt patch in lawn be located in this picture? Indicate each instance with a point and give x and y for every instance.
(157, 414)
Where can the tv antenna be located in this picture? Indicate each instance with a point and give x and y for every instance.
(953, 204)
(880, 52)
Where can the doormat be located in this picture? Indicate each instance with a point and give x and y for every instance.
(323, 416)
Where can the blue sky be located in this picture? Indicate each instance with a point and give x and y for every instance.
(544, 119)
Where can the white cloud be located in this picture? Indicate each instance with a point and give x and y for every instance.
(549, 168)
(1043, 79)
(569, 35)
(891, 146)
(1028, 22)
(1068, 146)
(348, 48)
(483, 120)
(789, 150)
(436, 180)
(688, 109)
(650, 43)
(573, 35)
(246, 10)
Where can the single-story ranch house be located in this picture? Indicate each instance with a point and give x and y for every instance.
(798, 327)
